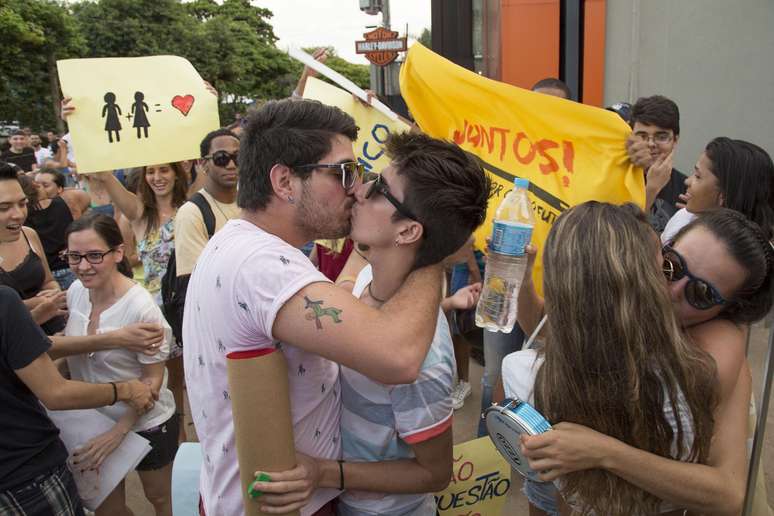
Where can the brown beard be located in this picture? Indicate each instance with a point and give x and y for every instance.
(314, 218)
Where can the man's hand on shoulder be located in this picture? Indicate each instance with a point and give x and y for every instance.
(140, 337)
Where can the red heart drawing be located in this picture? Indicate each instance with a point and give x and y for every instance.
(183, 103)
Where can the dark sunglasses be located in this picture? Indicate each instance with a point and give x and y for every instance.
(699, 293)
(350, 171)
(93, 257)
(221, 158)
(379, 185)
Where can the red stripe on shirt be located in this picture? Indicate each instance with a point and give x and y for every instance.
(431, 432)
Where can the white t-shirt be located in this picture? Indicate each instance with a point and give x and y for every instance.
(242, 278)
(70, 149)
(41, 155)
(120, 364)
(682, 218)
(380, 422)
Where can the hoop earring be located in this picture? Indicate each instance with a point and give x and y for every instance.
(290, 200)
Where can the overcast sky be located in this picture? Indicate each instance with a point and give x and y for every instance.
(339, 23)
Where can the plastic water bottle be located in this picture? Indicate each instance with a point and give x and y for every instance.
(511, 232)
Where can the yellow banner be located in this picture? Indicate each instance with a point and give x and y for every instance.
(135, 111)
(374, 125)
(481, 480)
(570, 152)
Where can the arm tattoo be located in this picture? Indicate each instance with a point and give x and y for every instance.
(317, 312)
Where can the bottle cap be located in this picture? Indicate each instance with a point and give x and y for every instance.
(521, 182)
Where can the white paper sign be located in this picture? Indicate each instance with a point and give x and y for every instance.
(76, 428)
(342, 81)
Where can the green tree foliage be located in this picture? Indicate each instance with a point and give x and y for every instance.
(426, 38)
(33, 35)
(357, 73)
(231, 43)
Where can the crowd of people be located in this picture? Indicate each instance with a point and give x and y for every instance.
(124, 291)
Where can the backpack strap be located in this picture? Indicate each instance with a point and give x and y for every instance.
(209, 217)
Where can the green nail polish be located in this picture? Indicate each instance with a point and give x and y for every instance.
(252, 491)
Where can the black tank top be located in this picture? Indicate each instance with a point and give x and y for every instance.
(51, 224)
(27, 280)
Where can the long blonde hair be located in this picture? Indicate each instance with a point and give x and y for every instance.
(615, 353)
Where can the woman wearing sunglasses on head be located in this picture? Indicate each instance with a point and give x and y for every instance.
(615, 358)
(719, 270)
(103, 299)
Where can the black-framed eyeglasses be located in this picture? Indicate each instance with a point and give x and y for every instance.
(93, 257)
(661, 137)
(350, 171)
(379, 185)
(700, 293)
(221, 158)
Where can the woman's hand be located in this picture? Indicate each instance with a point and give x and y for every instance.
(50, 304)
(565, 448)
(99, 177)
(465, 298)
(531, 251)
(289, 490)
(97, 450)
(138, 395)
(211, 88)
(639, 152)
(66, 109)
(320, 55)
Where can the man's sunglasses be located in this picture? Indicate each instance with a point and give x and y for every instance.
(221, 158)
(350, 171)
(379, 185)
(699, 293)
(93, 257)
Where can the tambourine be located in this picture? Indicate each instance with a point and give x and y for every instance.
(505, 422)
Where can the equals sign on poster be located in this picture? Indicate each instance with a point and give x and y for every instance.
(157, 106)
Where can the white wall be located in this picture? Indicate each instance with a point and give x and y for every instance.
(714, 58)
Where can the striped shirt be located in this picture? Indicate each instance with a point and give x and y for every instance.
(380, 422)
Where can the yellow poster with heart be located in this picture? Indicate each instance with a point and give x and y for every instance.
(570, 152)
(135, 111)
(481, 481)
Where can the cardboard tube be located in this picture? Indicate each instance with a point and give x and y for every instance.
(260, 406)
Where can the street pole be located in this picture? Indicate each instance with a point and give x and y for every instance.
(386, 14)
(379, 75)
(760, 427)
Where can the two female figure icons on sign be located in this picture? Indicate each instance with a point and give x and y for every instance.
(111, 111)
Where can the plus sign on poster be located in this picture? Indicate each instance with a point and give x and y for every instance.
(135, 111)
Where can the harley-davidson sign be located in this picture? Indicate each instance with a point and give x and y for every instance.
(381, 46)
